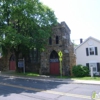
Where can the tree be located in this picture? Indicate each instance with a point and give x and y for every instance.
(26, 24)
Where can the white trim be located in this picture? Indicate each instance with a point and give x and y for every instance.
(93, 61)
(86, 41)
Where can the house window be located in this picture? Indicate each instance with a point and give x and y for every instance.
(34, 55)
(57, 40)
(50, 41)
(96, 67)
(91, 51)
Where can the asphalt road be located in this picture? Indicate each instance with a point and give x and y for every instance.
(27, 89)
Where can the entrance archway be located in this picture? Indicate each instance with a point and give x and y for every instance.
(12, 63)
(54, 63)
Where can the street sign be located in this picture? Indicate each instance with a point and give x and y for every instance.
(20, 63)
(60, 59)
(60, 54)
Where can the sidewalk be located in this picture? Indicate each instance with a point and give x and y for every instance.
(48, 78)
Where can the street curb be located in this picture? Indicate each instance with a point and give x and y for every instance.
(69, 81)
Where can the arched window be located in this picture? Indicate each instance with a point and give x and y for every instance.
(50, 41)
(54, 55)
(57, 40)
(34, 55)
(12, 58)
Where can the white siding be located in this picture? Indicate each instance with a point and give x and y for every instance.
(82, 58)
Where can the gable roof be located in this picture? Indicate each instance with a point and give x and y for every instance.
(86, 41)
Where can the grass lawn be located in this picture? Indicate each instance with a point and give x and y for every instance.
(80, 78)
(26, 74)
(88, 78)
(63, 77)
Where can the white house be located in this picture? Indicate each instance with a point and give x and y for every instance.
(88, 54)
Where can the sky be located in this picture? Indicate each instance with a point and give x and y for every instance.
(81, 16)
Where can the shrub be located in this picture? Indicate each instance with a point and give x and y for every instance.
(80, 71)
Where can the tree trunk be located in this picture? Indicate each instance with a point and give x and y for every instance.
(6, 61)
(16, 56)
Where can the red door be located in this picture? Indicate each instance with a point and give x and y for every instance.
(12, 63)
(54, 68)
(54, 63)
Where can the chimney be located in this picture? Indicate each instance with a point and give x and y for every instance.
(81, 40)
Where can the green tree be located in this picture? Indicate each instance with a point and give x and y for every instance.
(26, 24)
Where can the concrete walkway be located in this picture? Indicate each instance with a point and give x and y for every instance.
(48, 78)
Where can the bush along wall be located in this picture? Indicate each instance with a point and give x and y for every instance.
(80, 71)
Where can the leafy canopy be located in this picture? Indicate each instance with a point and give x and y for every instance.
(25, 24)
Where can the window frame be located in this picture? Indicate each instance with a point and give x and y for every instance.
(50, 40)
(57, 39)
(97, 66)
(93, 67)
(89, 53)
